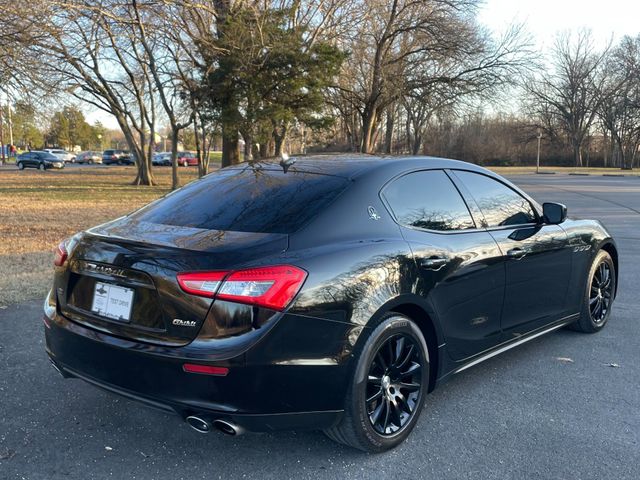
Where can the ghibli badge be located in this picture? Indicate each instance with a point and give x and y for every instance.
(183, 323)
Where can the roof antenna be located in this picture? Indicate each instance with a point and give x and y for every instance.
(286, 162)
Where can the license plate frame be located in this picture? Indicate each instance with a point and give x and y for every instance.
(114, 302)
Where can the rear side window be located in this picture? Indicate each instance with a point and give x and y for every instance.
(428, 200)
(250, 199)
(500, 205)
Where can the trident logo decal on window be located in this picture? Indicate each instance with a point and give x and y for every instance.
(373, 214)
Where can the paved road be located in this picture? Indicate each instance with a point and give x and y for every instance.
(524, 414)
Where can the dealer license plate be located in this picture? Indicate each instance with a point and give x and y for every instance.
(112, 301)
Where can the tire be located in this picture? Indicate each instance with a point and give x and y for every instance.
(598, 296)
(41, 167)
(20, 166)
(379, 414)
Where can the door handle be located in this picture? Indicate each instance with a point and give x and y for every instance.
(517, 253)
(434, 263)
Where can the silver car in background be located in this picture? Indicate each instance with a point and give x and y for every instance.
(61, 154)
(89, 157)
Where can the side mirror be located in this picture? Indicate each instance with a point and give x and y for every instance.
(554, 213)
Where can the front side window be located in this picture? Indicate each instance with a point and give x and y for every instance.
(500, 205)
(428, 200)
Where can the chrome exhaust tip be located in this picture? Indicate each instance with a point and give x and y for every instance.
(199, 424)
(57, 368)
(227, 427)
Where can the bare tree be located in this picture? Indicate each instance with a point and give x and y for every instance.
(406, 50)
(620, 104)
(570, 92)
(90, 50)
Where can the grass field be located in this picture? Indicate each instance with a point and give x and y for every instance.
(38, 209)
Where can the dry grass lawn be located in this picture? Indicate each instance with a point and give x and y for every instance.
(38, 209)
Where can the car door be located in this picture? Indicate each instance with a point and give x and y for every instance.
(32, 160)
(458, 266)
(536, 257)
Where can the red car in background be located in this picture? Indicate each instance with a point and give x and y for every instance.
(187, 159)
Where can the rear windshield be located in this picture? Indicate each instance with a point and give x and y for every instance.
(248, 199)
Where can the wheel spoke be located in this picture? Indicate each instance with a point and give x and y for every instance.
(399, 350)
(415, 367)
(593, 300)
(602, 272)
(374, 380)
(390, 352)
(597, 311)
(375, 415)
(404, 405)
(375, 396)
(381, 361)
(387, 413)
(395, 414)
(410, 387)
(406, 358)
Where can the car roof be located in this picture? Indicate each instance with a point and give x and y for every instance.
(356, 165)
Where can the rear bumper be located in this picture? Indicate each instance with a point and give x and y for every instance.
(260, 393)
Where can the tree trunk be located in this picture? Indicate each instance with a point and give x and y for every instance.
(369, 121)
(248, 146)
(278, 139)
(196, 138)
(230, 153)
(175, 178)
(577, 154)
(417, 143)
(388, 134)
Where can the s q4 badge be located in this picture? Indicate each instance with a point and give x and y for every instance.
(373, 214)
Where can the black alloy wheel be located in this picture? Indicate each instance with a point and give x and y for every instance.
(394, 384)
(388, 390)
(601, 293)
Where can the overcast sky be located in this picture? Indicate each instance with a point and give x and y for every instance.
(543, 20)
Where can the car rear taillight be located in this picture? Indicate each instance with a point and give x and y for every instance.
(204, 284)
(60, 254)
(270, 287)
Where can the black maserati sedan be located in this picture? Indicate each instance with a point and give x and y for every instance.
(323, 293)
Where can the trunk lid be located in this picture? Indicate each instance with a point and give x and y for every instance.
(135, 264)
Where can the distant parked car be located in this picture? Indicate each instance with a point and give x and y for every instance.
(163, 158)
(89, 157)
(110, 157)
(39, 160)
(61, 154)
(187, 159)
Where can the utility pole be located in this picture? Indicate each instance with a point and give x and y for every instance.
(1, 135)
(10, 123)
(538, 156)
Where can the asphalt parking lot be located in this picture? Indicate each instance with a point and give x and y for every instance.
(564, 406)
